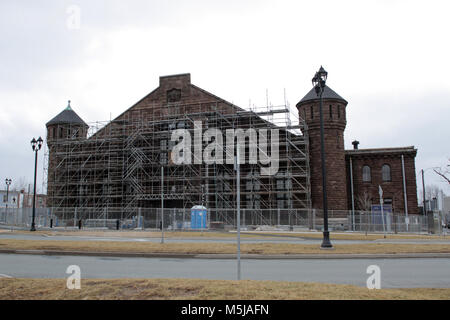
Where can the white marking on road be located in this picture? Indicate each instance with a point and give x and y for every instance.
(4, 276)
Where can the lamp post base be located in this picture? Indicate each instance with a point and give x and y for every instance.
(33, 228)
(326, 243)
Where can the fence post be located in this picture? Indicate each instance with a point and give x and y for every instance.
(314, 219)
(143, 221)
(174, 219)
(139, 218)
(395, 223)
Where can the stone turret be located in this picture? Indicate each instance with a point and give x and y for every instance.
(66, 125)
(334, 118)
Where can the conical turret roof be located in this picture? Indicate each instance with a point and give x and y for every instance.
(67, 116)
(328, 93)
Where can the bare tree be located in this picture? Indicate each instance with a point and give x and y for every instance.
(364, 201)
(444, 172)
(20, 184)
(432, 191)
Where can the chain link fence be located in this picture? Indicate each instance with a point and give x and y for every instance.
(220, 219)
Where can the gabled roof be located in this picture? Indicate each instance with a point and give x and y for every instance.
(328, 93)
(67, 116)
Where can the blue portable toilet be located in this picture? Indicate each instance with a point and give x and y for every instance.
(198, 217)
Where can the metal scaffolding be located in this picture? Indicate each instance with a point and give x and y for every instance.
(117, 164)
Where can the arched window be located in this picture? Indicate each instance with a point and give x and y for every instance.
(366, 174)
(386, 172)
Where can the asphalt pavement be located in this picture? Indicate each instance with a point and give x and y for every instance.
(395, 273)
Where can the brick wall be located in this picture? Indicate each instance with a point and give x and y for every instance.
(391, 189)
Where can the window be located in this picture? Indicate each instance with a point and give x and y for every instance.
(386, 172)
(163, 158)
(339, 111)
(163, 144)
(312, 112)
(366, 174)
(331, 112)
(173, 95)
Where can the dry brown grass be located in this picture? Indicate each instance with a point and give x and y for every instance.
(217, 248)
(141, 234)
(357, 236)
(55, 289)
(244, 234)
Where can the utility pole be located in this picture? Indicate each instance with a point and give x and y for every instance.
(162, 204)
(423, 189)
(380, 191)
(353, 198)
(405, 197)
(238, 205)
(8, 183)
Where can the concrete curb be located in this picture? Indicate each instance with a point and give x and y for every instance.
(227, 256)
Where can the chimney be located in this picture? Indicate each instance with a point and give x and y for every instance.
(355, 145)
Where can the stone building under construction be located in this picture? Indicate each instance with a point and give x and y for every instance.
(117, 165)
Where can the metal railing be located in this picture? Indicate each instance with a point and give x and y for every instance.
(217, 219)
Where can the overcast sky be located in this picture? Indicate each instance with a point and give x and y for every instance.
(388, 59)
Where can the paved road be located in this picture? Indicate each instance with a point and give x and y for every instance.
(263, 239)
(395, 273)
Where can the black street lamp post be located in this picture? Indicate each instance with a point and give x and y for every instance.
(8, 183)
(36, 145)
(318, 82)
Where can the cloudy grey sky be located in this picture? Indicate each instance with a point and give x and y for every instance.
(388, 59)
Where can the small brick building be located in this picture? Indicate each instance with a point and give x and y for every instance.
(371, 168)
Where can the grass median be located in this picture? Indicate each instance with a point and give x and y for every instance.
(219, 248)
(188, 234)
(193, 289)
(139, 234)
